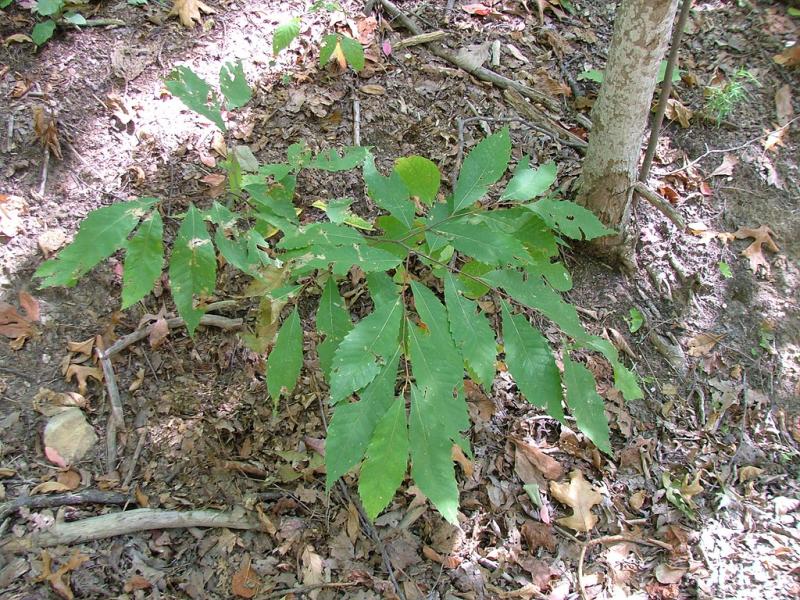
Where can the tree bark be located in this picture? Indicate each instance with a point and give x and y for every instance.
(619, 117)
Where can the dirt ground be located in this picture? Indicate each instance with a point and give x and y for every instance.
(702, 498)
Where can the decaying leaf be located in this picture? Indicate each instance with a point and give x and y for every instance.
(82, 374)
(667, 574)
(775, 138)
(580, 496)
(762, 238)
(51, 241)
(57, 578)
(188, 11)
(703, 343)
(312, 569)
(783, 104)
(729, 161)
(44, 125)
(678, 112)
(50, 487)
(789, 57)
(245, 582)
(749, 472)
(546, 465)
(463, 461)
(16, 325)
(637, 499)
(476, 9)
(538, 535)
(11, 207)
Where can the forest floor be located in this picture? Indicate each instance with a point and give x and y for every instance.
(702, 496)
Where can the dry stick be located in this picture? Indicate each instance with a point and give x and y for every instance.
(356, 121)
(140, 334)
(660, 203)
(135, 459)
(140, 519)
(666, 90)
(70, 499)
(559, 133)
(310, 588)
(479, 72)
(423, 38)
(44, 171)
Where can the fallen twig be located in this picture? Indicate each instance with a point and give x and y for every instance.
(140, 334)
(69, 499)
(479, 72)
(422, 38)
(45, 166)
(140, 519)
(356, 121)
(660, 203)
(526, 109)
(135, 458)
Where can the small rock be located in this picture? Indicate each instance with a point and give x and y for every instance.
(68, 437)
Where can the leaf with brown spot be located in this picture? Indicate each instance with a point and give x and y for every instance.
(188, 11)
(580, 496)
(762, 238)
(82, 374)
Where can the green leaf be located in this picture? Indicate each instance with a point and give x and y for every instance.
(74, 18)
(285, 33)
(143, 260)
(527, 183)
(624, 379)
(246, 159)
(353, 51)
(330, 160)
(384, 469)
(592, 75)
(534, 294)
(43, 31)
(472, 333)
(192, 267)
(389, 193)
(298, 155)
(333, 321)
(321, 234)
(5, 3)
(484, 166)
(102, 232)
(421, 176)
(662, 71)
(286, 359)
(193, 91)
(586, 404)
(352, 424)
(326, 50)
(531, 363)
(468, 279)
(569, 219)
(369, 345)
(233, 84)
(431, 453)
(342, 258)
(339, 212)
(635, 320)
(49, 7)
(475, 239)
(725, 269)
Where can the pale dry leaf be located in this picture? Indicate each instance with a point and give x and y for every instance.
(783, 104)
(71, 479)
(789, 57)
(749, 472)
(775, 138)
(46, 130)
(11, 208)
(51, 241)
(50, 487)
(667, 575)
(473, 57)
(13, 324)
(762, 238)
(82, 374)
(312, 569)
(373, 89)
(637, 499)
(689, 489)
(137, 382)
(86, 347)
(545, 464)
(158, 332)
(17, 38)
(580, 496)
(188, 11)
(725, 169)
(676, 111)
(703, 343)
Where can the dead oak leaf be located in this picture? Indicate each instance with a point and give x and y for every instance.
(703, 343)
(16, 325)
(46, 130)
(82, 374)
(762, 238)
(57, 578)
(580, 496)
(789, 57)
(245, 582)
(530, 452)
(676, 111)
(725, 169)
(188, 11)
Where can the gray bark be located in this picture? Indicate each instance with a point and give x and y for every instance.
(619, 117)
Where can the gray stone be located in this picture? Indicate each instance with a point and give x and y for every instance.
(70, 435)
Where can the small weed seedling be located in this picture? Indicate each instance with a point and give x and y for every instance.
(722, 100)
(439, 274)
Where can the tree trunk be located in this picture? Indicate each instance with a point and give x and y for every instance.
(619, 117)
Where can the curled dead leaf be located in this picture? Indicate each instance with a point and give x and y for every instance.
(676, 111)
(530, 452)
(762, 238)
(188, 11)
(580, 496)
(463, 461)
(46, 130)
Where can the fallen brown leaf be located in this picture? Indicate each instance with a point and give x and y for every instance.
(676, 111)
(46, 130)
(545, 464)
(580, 496)
(762, 237)
(789, 57)
(50, 487)
(56, 579)
(729, 161)
(783, 104)
(245, 582)
(463, 461)
(71, 479)
(188, 11)
(538, 535)
(82, 374)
